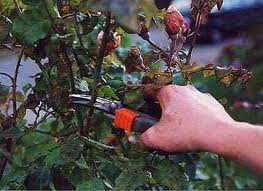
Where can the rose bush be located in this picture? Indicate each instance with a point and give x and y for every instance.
(83, 46)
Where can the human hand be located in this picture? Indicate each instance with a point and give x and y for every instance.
(188, 119)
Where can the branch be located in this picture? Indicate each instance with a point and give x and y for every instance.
(15, 83)
(97, 74)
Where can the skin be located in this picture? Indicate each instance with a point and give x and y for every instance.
(193, 121)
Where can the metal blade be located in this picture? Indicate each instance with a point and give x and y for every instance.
(101, 104)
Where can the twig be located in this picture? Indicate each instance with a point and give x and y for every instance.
(15, 82)
(97, 74)
(97, 144)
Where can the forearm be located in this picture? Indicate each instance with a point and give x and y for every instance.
(241, 142)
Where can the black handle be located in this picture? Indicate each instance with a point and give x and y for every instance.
(143, 123)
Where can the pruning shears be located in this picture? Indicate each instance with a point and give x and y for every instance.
(123, 118)
(129, 121)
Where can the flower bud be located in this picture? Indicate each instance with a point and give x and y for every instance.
(134, 61)
(173, 21)
(113, 42)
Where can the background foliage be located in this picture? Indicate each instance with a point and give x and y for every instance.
(71, 147)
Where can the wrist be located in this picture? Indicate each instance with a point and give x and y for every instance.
(217, 138)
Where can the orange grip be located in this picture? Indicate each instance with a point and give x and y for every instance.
(124, 119)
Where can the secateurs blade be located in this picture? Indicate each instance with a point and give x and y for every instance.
(124, 118)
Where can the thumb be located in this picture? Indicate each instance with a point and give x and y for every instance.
(151, 138)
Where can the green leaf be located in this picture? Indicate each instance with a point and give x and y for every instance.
(125, 12)
(74, 2)
(190, 68)
(91, 184)
(149, 9)
(83, 86)
(26, 88)
(31, 26)
(209, 70)
(4, 30)
(21, 114)
(107, 92)
(54, 158)
(134, 99)
(34, 138)
(4, 90)
(131, 180)
(31, 2)
(115, 83)
(168, 174)
(39, 179)
(20, 97)
(225, 76)
(71, 151)
(110, 171)
(150, 57)
(82, 164)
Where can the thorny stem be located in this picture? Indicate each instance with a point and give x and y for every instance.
(15, 83)
(99, 66)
